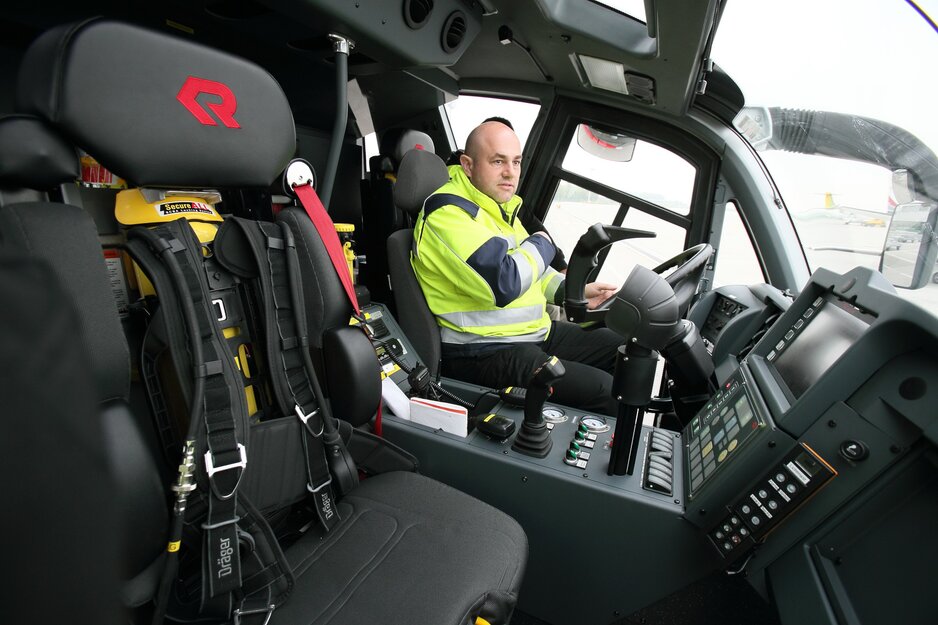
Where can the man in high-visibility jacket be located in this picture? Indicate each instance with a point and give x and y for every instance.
(487, 281)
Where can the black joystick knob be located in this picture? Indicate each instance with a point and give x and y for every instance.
(533, 438)
(540, 388)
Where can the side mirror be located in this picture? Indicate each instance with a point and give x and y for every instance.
(908, 258)
(607, 145)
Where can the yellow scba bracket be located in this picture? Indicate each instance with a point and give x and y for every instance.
(133, 208)
(173, 547)
(481, 621)
(147, 207)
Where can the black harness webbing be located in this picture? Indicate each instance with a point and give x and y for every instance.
(224, 434)
(264, 254)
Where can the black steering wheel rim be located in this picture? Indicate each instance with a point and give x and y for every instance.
(690, 267)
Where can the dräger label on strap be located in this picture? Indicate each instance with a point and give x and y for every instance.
(326, 503)
(224, 560)
(166, 209)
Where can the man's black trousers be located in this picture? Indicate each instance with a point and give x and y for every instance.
(588, 357)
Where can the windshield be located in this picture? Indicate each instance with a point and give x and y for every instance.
(840, 104)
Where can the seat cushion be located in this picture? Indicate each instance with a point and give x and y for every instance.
(409, 550)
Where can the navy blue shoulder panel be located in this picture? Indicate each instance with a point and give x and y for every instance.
(439, 200)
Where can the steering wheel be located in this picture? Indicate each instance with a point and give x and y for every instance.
(684, 280)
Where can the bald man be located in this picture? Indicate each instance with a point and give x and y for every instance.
(488, 281)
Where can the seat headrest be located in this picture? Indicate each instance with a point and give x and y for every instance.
(399, 141)
(420, 174)
(156, 109)
(33, 156)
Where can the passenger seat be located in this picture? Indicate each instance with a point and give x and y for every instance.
(409, 549)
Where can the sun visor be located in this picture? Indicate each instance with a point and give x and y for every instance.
(156, 109)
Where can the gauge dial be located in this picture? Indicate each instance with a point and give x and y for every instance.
(595, 423)
(554, 415)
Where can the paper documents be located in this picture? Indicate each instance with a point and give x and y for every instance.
(440, 415)
(395, 399)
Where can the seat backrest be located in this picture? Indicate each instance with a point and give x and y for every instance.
(55, 476)
(420, 174)
(65, 239)
(382, 215)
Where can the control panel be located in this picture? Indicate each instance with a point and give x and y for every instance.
(392, 349)
(581, 449)
(721, 428)
(658, 468)
(778, 493)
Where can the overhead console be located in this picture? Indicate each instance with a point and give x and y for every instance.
(404, 34)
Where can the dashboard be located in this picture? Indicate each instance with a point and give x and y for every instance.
(818, 447)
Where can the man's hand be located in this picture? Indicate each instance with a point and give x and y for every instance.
(598, 292)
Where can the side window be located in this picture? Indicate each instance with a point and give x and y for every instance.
(651, 190)
(736, 262)
(466, 112)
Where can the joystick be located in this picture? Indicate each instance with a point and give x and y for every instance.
(534, 438)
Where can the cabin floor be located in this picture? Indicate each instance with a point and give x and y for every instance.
(715, 600)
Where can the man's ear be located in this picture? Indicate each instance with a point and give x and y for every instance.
(466, 163)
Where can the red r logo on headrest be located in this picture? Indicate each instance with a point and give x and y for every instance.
(224, 110)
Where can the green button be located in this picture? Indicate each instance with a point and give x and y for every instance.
(571, 454)
(574, 447)
(579, 436)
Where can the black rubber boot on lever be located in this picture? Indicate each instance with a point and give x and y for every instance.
(534, 438)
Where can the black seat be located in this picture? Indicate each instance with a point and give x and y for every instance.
(64, 238)
(381, 215)
(420, 174)
(408, 549)
(56, 478)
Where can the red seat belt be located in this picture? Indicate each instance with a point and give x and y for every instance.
(326, 228)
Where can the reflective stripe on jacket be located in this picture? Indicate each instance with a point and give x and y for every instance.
(484, 277)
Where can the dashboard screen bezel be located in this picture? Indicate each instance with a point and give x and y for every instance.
(833, 326)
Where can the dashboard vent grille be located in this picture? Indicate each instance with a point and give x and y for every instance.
(417, 13)
(454, 30)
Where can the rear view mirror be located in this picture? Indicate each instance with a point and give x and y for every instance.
(908, 259)
(607, 145)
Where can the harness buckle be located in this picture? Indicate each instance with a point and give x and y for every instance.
(211, 469)
(304, 418)
(238, 613)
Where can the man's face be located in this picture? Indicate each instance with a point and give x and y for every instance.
(495, 163)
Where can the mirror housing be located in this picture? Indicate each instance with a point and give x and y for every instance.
(605, 144)
(911, 247)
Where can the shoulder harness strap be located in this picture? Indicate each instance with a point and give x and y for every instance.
(265, 254)
(224, 431)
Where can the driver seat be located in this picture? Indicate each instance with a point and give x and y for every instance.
(420, 174)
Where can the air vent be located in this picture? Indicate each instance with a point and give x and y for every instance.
(454, 30)
(417, 13)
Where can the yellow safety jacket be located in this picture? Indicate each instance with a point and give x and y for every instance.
(484, 277)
